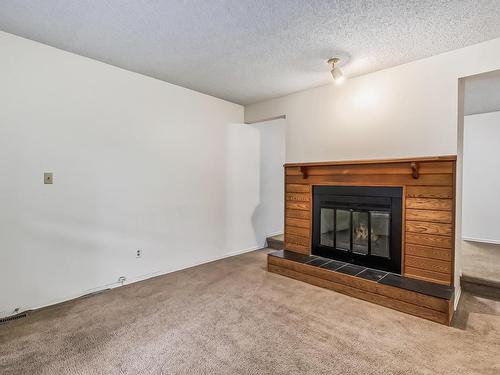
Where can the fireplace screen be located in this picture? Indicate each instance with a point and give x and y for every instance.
(359, 224)
(362, 232)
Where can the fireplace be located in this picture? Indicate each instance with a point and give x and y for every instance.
(358, 224)
(340, 213)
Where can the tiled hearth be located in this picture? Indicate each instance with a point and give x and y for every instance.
(381, 277)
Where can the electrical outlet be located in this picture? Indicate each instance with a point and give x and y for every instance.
(122, 279)
(138, 253)
(48, 178)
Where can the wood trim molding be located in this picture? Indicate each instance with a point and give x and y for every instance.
(303, 171)
(375, 161)
(414, 169)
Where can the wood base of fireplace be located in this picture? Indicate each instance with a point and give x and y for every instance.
(437, 307)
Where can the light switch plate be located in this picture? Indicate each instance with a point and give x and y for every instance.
(48, 178)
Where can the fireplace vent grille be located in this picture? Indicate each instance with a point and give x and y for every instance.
(11, 318)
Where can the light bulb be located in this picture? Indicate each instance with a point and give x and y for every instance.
(338, 76)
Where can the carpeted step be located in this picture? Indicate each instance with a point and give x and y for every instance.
(484, 324)
(480, 287)
(275, 242)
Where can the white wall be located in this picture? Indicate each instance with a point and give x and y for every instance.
(138, 164)
(482, 93)
(458, 260)
(481, 177)
(408, 110)
(255, 183)
(268, 216)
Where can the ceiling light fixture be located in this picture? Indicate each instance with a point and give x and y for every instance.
(338, 76)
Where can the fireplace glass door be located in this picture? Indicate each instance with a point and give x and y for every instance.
(360, 232)
(361, 225)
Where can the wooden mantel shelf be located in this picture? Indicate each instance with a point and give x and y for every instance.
(374, 161)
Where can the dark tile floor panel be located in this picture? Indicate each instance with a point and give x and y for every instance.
(318, 261)
(351, 269)
(333, 265)
(290, 255)
(424, 287)
(382, 277)
(371, 274)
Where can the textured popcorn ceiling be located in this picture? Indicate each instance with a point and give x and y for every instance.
(251, 50)
(482, 93)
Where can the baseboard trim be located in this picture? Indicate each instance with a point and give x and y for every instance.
(470, 239)
(6, 314)
(274, 234)
(458, 294)
(481, 290)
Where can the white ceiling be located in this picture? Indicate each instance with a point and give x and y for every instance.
(482, 93)
(251, 50)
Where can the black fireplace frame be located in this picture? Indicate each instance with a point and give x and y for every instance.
(360, 198)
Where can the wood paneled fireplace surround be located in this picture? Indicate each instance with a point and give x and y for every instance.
(378, 230)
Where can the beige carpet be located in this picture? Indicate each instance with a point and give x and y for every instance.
(481, 262)
(232, 317)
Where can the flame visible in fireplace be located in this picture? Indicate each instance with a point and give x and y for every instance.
(361, 233)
